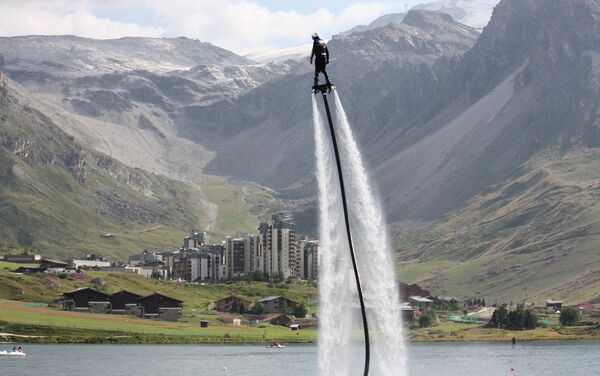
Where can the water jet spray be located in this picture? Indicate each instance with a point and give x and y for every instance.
(324, 90)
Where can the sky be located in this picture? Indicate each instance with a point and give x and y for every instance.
(243, 26)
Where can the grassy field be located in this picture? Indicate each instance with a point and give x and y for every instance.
(233, 213)
(23, 318)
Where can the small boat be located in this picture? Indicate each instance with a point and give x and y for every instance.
(11, 353)
(277, 346)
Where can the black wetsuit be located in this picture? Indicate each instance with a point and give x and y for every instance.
(321, 55)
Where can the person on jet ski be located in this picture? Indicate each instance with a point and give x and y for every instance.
(321, 55)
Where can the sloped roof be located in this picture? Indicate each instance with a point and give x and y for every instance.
(270, 298)
(83, 289)
(159, 294)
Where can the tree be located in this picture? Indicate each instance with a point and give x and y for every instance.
(522, 319)
(257, 309)
(427, 319)
(300, 311)
(500, 317)
(569, 316)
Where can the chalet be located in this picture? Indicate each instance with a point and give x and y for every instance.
(420, 302)
(160, 306)
(276, 304)
(85, 299)
(232, 304)
(54, 264)
(553, 306)
(121, 299)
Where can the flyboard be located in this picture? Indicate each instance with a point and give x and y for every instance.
(324, 90)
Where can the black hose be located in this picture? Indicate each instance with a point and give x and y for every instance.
(349, 234)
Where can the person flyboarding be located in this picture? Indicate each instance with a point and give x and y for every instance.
(320, 53)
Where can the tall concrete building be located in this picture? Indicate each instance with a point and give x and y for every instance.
(310, 259)
(279, 246)
(242, 255)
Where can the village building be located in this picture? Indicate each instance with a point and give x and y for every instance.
(144, 257)
(407, 291)
(30, 269)
(90, 264)
(123, 299)
(420, 302)
(161, 307)
(408, 313)
(85, 299)
(276, 304)
(553, 306)
(54, 264)
(232, 304)
(154, 269)
(22, 259)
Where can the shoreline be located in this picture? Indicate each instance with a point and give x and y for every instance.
(67, 336)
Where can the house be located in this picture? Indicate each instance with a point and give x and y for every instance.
(232, 304)
(160, 306)
(553, 306)
(84, 299)
(420, 302)
(121, 299)
(407, 291)
(276, 304)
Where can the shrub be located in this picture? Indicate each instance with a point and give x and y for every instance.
(426, 319)
(300, 311)
(569, 316)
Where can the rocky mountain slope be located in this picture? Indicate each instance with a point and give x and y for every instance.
(58, 197)
(534, 232)
(370, 68)
(120, 97)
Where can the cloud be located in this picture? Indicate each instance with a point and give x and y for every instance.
(239, 25)
(61, 17)
(245, 26)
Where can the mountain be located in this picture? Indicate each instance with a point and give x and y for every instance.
(381, 21)
(402, 58)
(120, 97)
(531, 231)
(62, 199)
(75, 56)
(475, 13)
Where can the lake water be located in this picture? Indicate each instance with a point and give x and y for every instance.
(436, 359)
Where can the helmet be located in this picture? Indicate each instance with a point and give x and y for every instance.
(315, 36)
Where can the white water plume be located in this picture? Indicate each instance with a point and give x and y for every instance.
(335, 318)
(372, 249)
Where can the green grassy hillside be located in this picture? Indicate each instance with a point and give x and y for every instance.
(534, 237)
(197, 298)
(60, 199)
